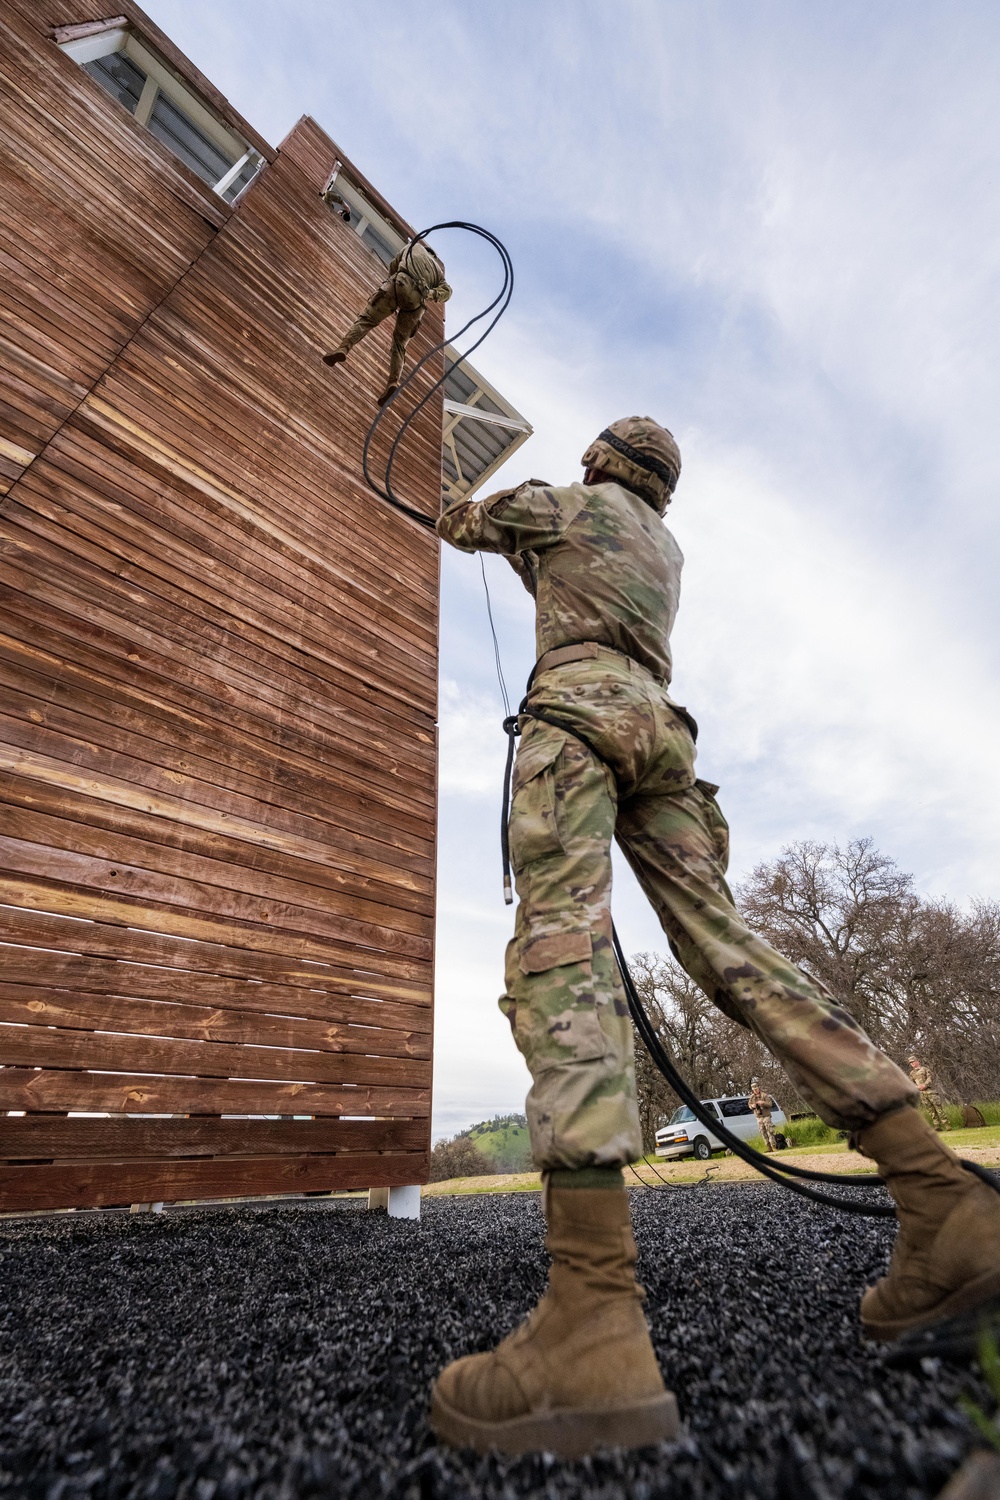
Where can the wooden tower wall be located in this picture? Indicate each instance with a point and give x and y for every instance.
(217, 672)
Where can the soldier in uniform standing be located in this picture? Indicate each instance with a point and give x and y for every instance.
(609, 754)
(416, 277)
(930, 1099)
(762, 1104)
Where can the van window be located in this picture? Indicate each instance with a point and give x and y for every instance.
(681, 1116)
(733, 1107)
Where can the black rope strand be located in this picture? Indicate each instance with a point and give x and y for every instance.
(500, 302)
(784, 1173)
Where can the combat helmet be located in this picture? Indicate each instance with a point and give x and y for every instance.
(642, 455)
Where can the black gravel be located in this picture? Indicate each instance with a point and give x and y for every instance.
(287, 1352)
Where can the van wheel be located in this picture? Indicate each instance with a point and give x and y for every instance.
(702, 1149)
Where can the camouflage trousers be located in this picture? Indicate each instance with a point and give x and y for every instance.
(766, 1129)
(397, 295)
(930, 1101)
(565, 1000)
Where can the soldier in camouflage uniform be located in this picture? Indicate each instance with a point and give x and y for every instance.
(762, 1104)
(605, 575)
(416, 277)
(930, 1099)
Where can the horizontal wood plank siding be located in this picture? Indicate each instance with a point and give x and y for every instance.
(217, 672)
(96, 1184)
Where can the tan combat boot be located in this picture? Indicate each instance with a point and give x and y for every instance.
(946, 1259)
(580, 1373)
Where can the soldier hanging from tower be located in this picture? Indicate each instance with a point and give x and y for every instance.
(416, 277)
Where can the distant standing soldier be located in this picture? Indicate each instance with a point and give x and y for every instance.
(923, 1079)
(762, 1104)
(416, 277)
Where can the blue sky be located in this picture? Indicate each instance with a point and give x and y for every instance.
(773, 226)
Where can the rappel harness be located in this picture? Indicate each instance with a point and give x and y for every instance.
(789, 1176)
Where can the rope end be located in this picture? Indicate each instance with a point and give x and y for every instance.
(508, 894)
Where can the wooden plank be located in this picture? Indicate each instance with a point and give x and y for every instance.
(79, 619)
(40, 1046)
(259, 591)
(41, 815)
(106, 1183)
(134, 476)
(295, 975)
(46, 1137)
(76, 786)
(301, 682)
(148, 551)
(133, 611)
(91, 904)
(47, 788)
(394, 932)
(92, 978)
(48, 1091)
(203, 779)
(36, 1005)
(99, 747)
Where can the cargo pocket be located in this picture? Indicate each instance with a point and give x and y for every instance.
(560, 1022)
(715, 822)
(553, 951)
(534, 831)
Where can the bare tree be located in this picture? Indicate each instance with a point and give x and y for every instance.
(920, 976)
(713, 1054)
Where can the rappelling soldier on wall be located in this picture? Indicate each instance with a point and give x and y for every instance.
(416, 277)
(762, 1104)
(605, 574)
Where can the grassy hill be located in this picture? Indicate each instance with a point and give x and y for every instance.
(504, 1142)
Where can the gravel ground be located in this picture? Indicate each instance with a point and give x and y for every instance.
(287, 1351)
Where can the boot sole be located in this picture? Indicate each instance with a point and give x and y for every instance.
(967, 1299)
(570, 1433)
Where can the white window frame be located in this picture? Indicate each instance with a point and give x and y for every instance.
(355, 199)
(161, 79)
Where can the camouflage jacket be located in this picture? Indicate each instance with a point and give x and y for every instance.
(599, 561)
(922, 1077)
(424, 270)
(761, 1103)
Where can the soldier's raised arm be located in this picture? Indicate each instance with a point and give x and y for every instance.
(530, 517)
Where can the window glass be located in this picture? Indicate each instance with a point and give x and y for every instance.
(178, 132)
(375, 242)
(681, 1116)
(120, 76)
(733, 1107)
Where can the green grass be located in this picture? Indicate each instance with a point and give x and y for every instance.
(990, 1111)
(810, 1132)
(506, 1144)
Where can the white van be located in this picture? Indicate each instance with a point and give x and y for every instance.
(686, 1136)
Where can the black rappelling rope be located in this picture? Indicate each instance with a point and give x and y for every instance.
(500, 303)
(789, 1176)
